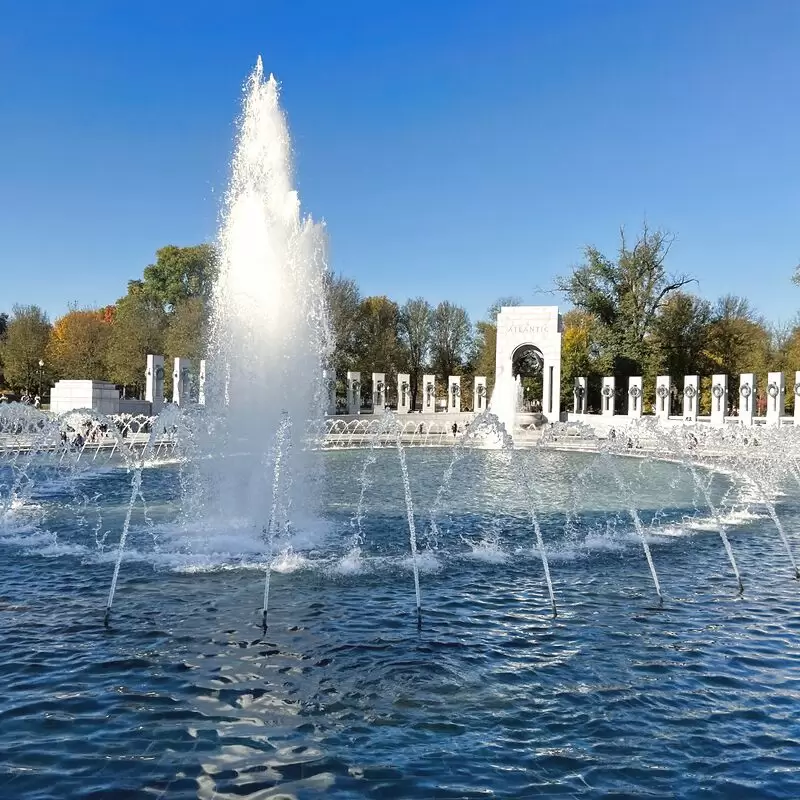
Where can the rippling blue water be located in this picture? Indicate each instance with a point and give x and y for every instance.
(342, 696)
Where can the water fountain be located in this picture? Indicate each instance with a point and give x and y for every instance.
(347, 525)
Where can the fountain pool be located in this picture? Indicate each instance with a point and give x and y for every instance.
(186, 696)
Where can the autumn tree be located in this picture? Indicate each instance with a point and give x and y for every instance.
(484, 343)
(78, 345)
(24, 345)
(579, 350)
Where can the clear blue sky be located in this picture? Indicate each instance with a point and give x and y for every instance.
(457, 150)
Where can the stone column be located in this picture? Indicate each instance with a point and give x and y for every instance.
(579, 395)
(329, 381)
(747, 398)
(403, 393)
(201, 383)
(635, 397)
(480, 398)
(796, 391)
(353, 392)
(428, 392)
(719, 399)
(454, 393)
(607, 396)
(378, 392)
(776, 397)
(691, 397)
(663, 394)
(180, 381)
(154, 383)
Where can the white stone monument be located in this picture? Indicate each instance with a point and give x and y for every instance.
(607, 396)
(579, 395)
(201, 383)
(529, 341)
(635, 396)
(747, 398)
(776, 397)
(663, 395)
(353, 392)
(454, 394)
(378, 392)
(719, 399)
(691, 397)
(428, 394)
(329, 381)
(180, 381)
(403, 393)
(796, 391)
(100, 396)
(154, 383)
(480, 398)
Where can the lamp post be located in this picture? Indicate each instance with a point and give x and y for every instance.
(41, 375)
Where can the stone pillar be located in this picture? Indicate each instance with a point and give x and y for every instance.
(201, 383)
(796, 391)
(154, 383)
(454, 393)
(719, 399)
(353, 392)
(329, 381)
(691, 397)
(747, 398)
(480, 399)
(579, 396)
(663, 394)
(428, 392)
(607, 396)
(776, 397)
(635, 397)
(403, 393)
(180, 381)
(378, 392)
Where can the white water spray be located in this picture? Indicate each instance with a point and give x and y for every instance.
(269, 336)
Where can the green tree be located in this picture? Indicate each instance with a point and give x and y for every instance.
(379, 347)
(24, 345)
(625, 296)
(681, 336)
(415, 331)
(344, 308)
(186, 328)
(738, 338)
(451, 339)
(181, 273)
(138, 329)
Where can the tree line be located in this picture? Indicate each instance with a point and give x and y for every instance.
(165, 311)
(630, 315)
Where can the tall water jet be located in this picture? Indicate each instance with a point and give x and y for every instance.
(269, 336)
